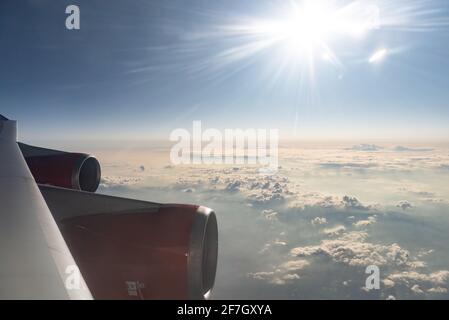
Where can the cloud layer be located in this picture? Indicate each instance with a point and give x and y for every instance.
(331, 211)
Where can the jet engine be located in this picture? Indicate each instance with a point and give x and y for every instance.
(129, 249)
(76, 171)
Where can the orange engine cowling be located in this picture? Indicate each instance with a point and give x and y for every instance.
(76, 171)
(128, 249)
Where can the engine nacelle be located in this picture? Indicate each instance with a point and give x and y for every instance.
(169, 254)
(76, 171)
(130, 249)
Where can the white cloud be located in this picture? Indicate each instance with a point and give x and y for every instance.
(419, 283)
(319, 221)
(366, 147)
(354, 203)
(436, 278)
(437, 290)
(113, 182)
(416, 289)
(388, 283)
(317, 200)
(277, 243)
(334, 231)
(352, 249)
(270, 215)
(294, 265)
(264, 198)
(291, 277)
(365, 223)
(283, 274)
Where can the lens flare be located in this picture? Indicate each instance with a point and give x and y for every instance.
(378, 56)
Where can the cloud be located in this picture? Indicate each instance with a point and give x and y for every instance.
(275, 277)
(388, 283)
(346, 165)
(313, 200)
(366, 147)
(257, 189)
(110, 182)
(404, 205)
(265, 198)
(319, 221)
(277, 243)
(365, 223)
(267, 190)
(417, 282)
(436, 278)
(296, 224)
(354, 203)
(270, 215)
(334, 231)
(424, 194)
(185, 184)
(406, 149)
(352, 249)
(416, 289)
(294, 265)
(233, 186)
(283, 274)
(437, 290)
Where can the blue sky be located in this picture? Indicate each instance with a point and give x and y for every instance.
(139, 69)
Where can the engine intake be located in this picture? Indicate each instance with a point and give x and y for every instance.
(78, 171)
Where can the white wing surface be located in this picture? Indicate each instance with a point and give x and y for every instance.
(35, 262)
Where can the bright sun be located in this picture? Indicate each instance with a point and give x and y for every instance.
(307, 28)
(315, 22)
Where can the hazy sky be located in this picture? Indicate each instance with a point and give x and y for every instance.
(139, 69)
(310, 230)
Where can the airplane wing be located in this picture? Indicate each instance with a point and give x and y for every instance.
(60, 240)
(35, 260)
